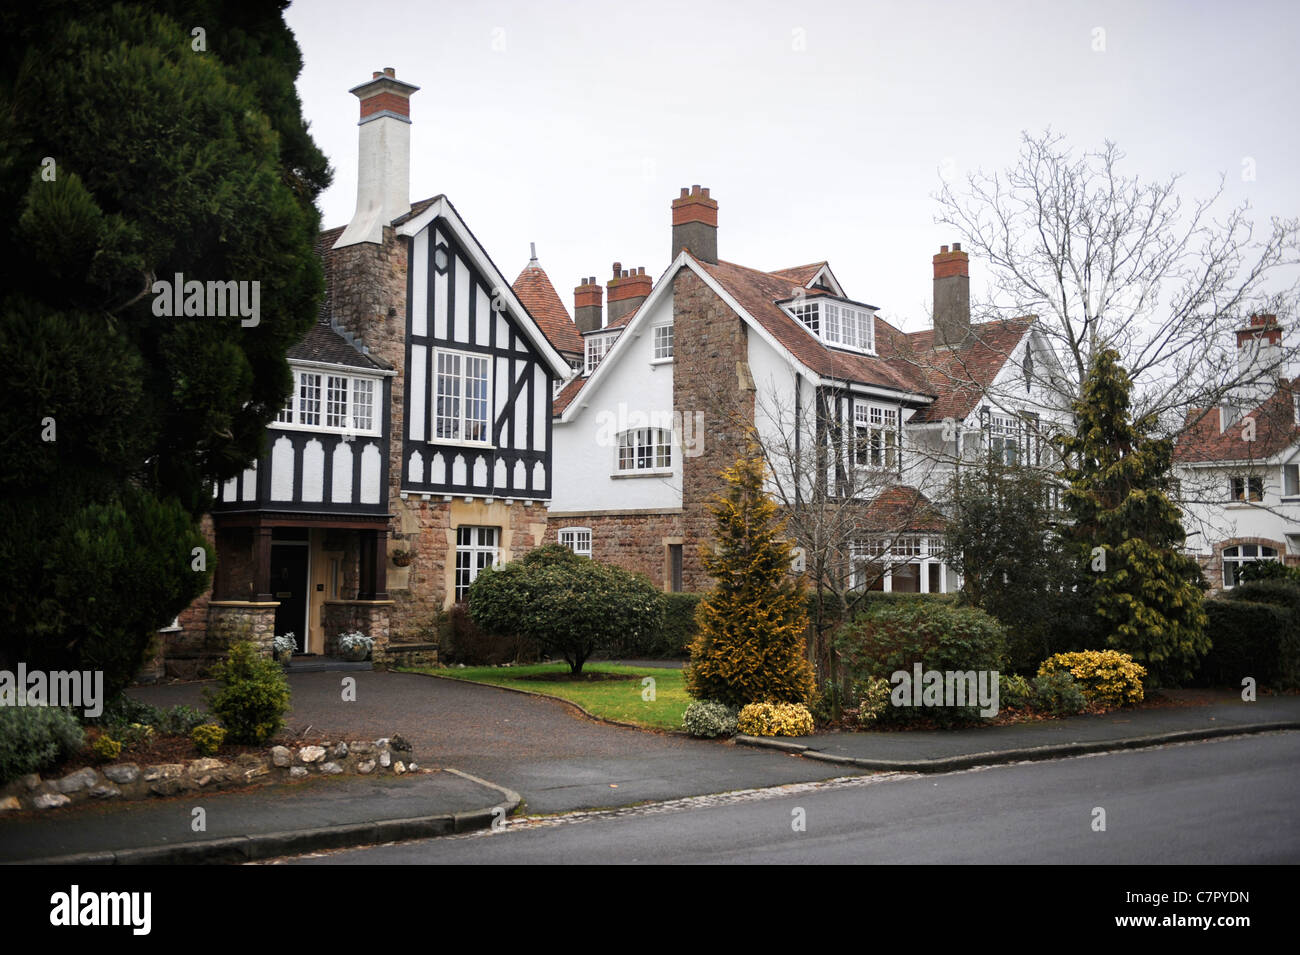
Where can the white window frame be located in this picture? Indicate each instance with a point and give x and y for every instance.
(1005, 439)
(891, 552)
(597, 347)
(1237, 559)
(838, 323)
(1290, 480)
(877, 431)
(662, 345)
(470, 553)
(653, 446)
(290, 417)
(577, 539)
(460, 418)
(1249, 485)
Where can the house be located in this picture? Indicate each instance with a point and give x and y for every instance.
(416, 448)
(1238, 464)
(678, 368)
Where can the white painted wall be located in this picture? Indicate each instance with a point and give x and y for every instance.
(633, 391)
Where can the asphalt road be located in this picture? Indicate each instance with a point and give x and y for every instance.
(1224, 801)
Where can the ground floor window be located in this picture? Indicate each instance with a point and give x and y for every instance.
(1235, 557)
(577, 539)
(910, 563)
(476, 548)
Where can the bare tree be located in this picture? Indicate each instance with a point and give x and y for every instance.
(1109, 261)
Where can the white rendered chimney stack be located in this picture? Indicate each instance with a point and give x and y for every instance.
(384, 166)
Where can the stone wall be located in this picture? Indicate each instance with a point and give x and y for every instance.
(634, 541)
(280, 763)
(191, 652)
(370, 617)
(711, 375)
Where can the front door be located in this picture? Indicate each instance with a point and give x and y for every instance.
(289, 585)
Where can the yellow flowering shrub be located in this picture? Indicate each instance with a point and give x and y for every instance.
(1107, 677)
(775, 719)
(106, 748)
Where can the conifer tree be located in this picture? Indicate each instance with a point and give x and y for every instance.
(1126, 531)
(750, 642)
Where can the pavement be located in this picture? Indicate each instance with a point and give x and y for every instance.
(498, 751)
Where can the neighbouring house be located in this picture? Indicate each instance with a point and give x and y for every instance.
(416, 447)
(1238, 464)
(677, 370)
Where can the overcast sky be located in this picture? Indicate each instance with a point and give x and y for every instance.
(822, 129)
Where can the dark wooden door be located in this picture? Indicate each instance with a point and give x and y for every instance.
(289, 585)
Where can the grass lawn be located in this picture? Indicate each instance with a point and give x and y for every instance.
(612, 699)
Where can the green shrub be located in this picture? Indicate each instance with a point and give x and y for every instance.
(774, 719)
(106, 748)
(254, 695)
(123, 710)
(1058, 695)
(466, 643)
(896, 635)
(133, 735)
(1283, 594)
(569, 606)
(1248, 641)
(34, 737)
(709, 719)
(1105, 677)
(672, 641)
(179, 720)
(873, 700)
(208, 738)
(1014, 692)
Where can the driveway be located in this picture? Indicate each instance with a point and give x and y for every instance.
(556, 760)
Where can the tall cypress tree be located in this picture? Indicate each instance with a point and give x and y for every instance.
(1126, 532)
(750, 647)
(135, 145)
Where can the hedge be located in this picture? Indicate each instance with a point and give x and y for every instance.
(1248, 640)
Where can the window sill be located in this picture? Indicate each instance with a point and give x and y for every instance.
(448, 442)
(645, 473)
(317, 429)
(660, 361)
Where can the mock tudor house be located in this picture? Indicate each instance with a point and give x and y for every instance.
(1238, 464)
(416, 447)
(676, 369)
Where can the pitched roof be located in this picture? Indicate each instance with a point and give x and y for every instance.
(537, 293)
(1275, 431)
(758, 292)
(902, 507)
(622, 319)
(803, 274)
(566, 395)
(323, 343)
(959, 376)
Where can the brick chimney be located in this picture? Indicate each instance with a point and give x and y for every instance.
(1259, 356)
(627, 290)
(951, 295)
(587, 299)
(384, 158)
(695, 224)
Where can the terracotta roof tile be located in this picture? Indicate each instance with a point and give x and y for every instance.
(324, 344)
(622, 320)
(902, 507)
(566, 396)
(1275, 431)
(803, 274)
(960, 376)
(537, 293)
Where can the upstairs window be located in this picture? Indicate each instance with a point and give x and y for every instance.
(645, 449)
(1004, 439)
(875, 432)
(1245, 488)
(1291, 480)
(461, 405)
(597, 347)
(663, 344)
(324, 402)
(838, 323)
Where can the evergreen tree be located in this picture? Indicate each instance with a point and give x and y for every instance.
(1127, 533)
(749, 646)
(134, 146)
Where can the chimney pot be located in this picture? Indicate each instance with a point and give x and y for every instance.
(943, 250)
(389, 71)
(956, 246)
(685, 193)
(375, 75)
(695, 190)
(617, 266)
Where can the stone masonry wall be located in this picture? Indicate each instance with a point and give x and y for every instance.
(710, 374)
(635, 542)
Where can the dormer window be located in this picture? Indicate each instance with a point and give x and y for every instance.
(838, 323)
(597, 346)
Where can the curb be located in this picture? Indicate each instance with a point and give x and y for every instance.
(945, 764)
(235, 850)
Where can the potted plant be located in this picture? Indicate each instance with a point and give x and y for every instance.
(355, 646)
(283, 646)
(402, 558)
